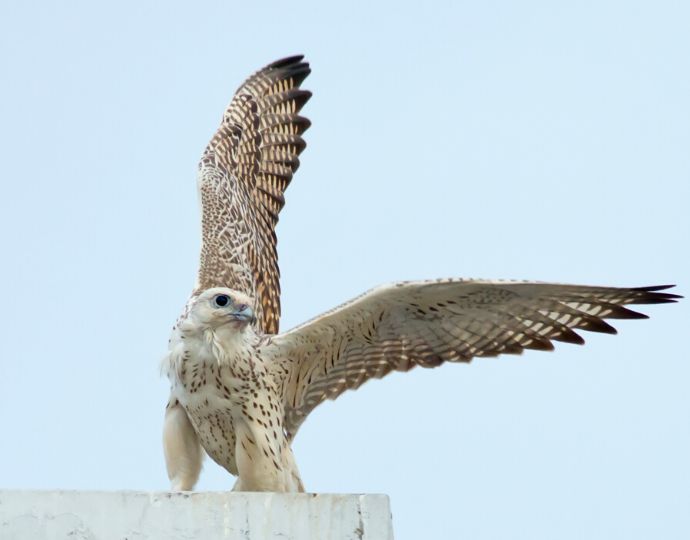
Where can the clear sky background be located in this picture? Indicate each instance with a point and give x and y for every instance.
(530, 140)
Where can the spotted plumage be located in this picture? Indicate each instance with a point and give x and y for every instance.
(240, 390)
(243, 174)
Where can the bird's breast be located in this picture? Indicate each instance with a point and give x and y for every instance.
(226, 397)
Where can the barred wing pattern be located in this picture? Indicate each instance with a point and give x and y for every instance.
(243, 175)
(400, 326)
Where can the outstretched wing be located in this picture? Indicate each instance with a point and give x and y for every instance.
(243, 174)
(397, 327)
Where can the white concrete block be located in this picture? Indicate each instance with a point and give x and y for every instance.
(132, 515)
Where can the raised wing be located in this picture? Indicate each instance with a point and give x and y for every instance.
(397, 327)
(243, 174)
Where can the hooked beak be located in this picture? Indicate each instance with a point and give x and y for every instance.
(243, 313)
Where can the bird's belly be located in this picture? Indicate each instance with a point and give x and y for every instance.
(212, 419)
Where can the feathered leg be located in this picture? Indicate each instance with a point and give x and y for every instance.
(183, 452)
(264, 462)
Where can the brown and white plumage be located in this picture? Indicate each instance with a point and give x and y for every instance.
(241, 391)
(247, 393)
(426, 323)
(243, 174)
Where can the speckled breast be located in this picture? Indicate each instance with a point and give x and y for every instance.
(214, 425)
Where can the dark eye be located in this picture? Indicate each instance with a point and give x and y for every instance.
(221, 300)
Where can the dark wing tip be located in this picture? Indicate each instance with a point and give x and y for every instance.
(567, 335)
(303, 123)
(298, 73)
(291, 67)
(594, 324)
(299, 96)
(620, 312)
(538, 343)
(287, 61)
(652, 288)
(650, 295)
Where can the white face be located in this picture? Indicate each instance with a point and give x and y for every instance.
(221, 306)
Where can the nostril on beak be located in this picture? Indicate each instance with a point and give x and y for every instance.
(242, 307)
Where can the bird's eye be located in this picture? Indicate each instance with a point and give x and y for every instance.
(221, 300)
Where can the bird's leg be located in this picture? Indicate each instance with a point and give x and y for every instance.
(264, 458)
(183, 452)
(284, 479)
(258, 464)
(294, 480)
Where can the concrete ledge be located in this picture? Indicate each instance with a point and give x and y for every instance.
(132, 515)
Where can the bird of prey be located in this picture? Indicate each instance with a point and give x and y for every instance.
(239, 389)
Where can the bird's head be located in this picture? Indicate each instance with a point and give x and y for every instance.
(220, 306)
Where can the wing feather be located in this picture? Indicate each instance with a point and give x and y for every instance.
(243, 175)
(400, 326)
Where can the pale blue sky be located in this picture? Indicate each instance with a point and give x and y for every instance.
(531, 140)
